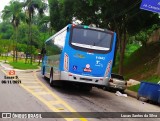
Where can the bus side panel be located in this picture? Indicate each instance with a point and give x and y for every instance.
(53, 56)
(110, 64)
(61, 67)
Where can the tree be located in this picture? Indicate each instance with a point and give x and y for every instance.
(44, 24)
(6, 30)
(158, 68)
(30, 7)
(124, 17)
(5, 47)
(23, 35)
(14, 13)
(61, 13)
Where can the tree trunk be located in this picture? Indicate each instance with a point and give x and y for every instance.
(158, 68)
(16, 44)
(121, 57)
(30, 31)
(122, 51)
(27, 50)
(13, 51)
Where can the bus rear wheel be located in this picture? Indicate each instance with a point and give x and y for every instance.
(51, 78)
(86, 88)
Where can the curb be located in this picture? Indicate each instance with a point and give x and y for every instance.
(6, 68)
(131, 93)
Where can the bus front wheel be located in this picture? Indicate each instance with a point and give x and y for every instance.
(43, 71)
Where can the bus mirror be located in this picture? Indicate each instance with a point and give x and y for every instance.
(67, 29)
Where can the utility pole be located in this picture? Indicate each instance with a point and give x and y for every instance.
(158, 68)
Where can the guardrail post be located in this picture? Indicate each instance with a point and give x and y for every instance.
(158, 68)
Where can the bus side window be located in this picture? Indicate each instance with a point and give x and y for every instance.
(52, 48)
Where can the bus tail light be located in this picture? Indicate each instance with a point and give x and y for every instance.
(73, 25)
(108, 68)
(101, 79)
(66, 62)
(69, 74)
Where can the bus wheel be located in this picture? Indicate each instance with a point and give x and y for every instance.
(51, 78)
(43, 71)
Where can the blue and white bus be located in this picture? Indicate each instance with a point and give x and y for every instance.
(80, 54)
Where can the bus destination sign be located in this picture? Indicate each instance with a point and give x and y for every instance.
(151, 5)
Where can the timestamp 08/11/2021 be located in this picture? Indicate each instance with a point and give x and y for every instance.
(11, 80)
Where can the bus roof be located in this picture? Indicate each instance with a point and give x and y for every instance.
(81, 26)
(94, 28)
(57, 33)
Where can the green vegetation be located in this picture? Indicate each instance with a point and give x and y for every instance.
(134, 88)
(20, 64)
(131, 48)
(23, 66)
(5, 58)
(143, 35)
(26, 30)
(152, 79)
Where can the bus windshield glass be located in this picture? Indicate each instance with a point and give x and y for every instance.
(91, 39)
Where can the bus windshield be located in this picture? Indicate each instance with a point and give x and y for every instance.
(91, 39)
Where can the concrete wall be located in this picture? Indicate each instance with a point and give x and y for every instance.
(155, 36)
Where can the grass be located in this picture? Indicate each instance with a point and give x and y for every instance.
(9, 59)
(20, 64)
(154, 79)
(134, 88)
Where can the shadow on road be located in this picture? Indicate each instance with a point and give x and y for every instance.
(71, 88)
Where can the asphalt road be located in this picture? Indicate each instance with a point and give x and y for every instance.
(14, 98)
(99, 100)
(35, 95)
